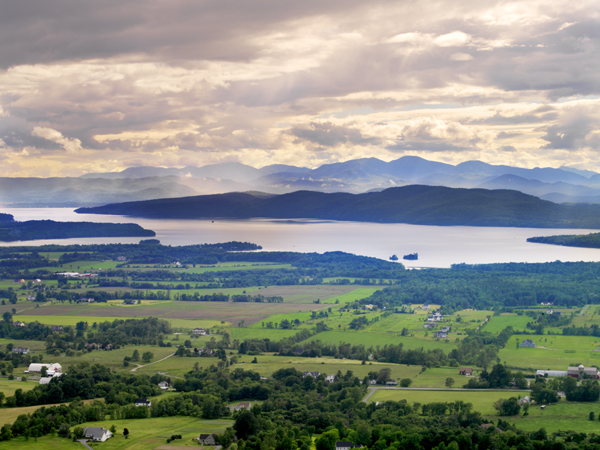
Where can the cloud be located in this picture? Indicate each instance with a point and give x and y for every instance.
(327, 134)
(71, 145)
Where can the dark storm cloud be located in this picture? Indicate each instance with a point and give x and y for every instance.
(329, 135)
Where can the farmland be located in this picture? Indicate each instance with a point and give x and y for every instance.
(267, 321)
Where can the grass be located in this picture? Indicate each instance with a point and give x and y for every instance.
(499, 323)
(8, 387)
(145, 434)
(482, 401)
(560, 416)
(436, 378)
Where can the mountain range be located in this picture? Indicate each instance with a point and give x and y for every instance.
(414, 204)
(562, 185)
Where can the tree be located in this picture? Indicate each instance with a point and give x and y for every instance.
(592, 416)
(246, 425)
(449, 382)
(327, 440)
(147, 357)
(113, 429)
(135, 356)
(125, 433)
(508, 407)
(7, 316)
(44, 371)
(405, 382)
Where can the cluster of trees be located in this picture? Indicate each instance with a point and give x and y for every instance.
(293, 409)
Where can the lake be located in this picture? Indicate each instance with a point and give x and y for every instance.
(436, 246)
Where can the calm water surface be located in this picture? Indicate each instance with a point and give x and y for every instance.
(437, 246)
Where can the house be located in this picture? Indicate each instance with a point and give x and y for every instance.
(440, 334)
(315, 375)
(129, 302)
(527, 343)
(344, 445)
(240, 406)
(20, 350)
(164, 385)
(372, 381)
(57, 328)
(45, 380)
(391, 383)
(18, 324)
(549, 312)
(121, 258)
(31, 298)
(330, 378)
(466, 371)
(524, 400)
(547, 303)
(51, 369)
(445, 329)
(370, 307)
(97, 434)
(425, 307)
(92, 346)
(207, 439)
(143, 402)
(199, 331)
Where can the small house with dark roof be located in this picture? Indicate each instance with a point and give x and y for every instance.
(467, 371)
(97, 434)
(18, 324)
(207, 439)
(527, 343)
(346, 445)
(143, 402)
(57, 328)
(440, 334)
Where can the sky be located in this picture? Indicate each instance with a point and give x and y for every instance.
(99, 86)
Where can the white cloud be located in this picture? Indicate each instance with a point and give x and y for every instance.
(454, 39)
(71, 145)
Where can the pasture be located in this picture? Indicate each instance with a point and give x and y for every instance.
(144, 434)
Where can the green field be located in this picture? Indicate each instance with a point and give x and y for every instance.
(483, 401)
(499, 323)
(145, 434)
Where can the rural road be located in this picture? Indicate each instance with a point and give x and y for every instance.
(139, 366)
(584, 310)
(373, 389)
(84, 442)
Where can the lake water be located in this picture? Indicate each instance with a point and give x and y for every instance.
(437, 246)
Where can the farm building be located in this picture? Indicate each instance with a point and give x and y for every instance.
(18, 324)
(97, 434)
(391, 383)
(199, 331)
(527, 343)
(164, 385)
(330, 378)
(551, 373)
(240, 406)
(51, 369)
(440, 334)
(467, 371)
(590, 372)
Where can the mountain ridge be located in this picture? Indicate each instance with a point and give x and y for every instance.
(414, 204)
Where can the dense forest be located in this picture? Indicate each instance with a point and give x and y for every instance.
(591, 240)
(49, 229)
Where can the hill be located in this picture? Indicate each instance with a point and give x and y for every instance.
(48, 229)
(415, 204)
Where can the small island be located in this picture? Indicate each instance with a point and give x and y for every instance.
(11, 230)
(411, 257)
